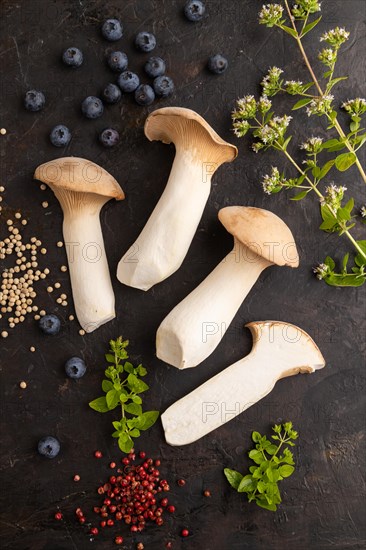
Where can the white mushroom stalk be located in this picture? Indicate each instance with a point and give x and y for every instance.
(164, 242)
(82, 188)
(279, 350)
(195, 327)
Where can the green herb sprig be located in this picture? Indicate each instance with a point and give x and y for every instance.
(337, 213)
(261, 485)
(124, 391)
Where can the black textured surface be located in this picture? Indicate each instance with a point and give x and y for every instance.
(323, 502)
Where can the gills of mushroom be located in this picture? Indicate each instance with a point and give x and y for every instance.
(279, 350)
(164, 241)
(82, 188)
(193, 329)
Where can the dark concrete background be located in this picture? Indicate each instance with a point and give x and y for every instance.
(323, 502)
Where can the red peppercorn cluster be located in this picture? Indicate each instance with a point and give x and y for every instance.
(131, 495)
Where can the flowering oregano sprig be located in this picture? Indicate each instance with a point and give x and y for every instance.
(270, 131)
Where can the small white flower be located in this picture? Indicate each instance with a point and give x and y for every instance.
(363, 211)
(355, 106)
(335, 37)
(321, 271)
(312, 145)
(320, 105)
(264, 104)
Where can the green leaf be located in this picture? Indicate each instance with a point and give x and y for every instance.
(345, 161)
(135, 432)
(112, 399)
(345, 262)
(233, 477)
(289, 31)
(332, 143)
(271, 449)
(301, 103)
(343, 215)
(133, 408)
(286, 143)
(128, 367)
(349, 205)
(335, 81)
(99, 405)
(256, 436)
(329, 262)
(116, 425)
(328, 225)
(256, 456)
(141, 371)
(136, 399)
(273, 474)
(264, 504)
(325, 168)
(136, 385)
(123, 397)
(299, 196)
(107, 386)
(310, 26)
(116, 434)
(327, 74)
(147, 419)
(110, 358)
(246, 484)
(286, 470)
(345, 280)
(316, 171)
(125, 444)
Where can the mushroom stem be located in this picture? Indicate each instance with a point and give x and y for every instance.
(279, 350)
(89, 273)
(82, 188)
(164, 241)
(194, 328)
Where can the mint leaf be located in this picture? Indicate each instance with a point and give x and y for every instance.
(233, 477)
(121, 385)
(261, 485)
(107, 386)
(99, 405)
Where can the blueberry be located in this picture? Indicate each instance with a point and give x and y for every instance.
(75, 367)
(50, 324)
(60, 135)
(109, 137)
(194, 10)
(49, 446)
(155, 66)
(117, 61)
(112, 30)
(34, 100)
(145, 41)
(163, 86)
(144, 95)
(217, 64)
(92, 107)
(73, 57)
(111, 93)
(128, 81)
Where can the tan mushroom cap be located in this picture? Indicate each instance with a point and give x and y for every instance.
(79, 175)
(262, 232)
(187, 129)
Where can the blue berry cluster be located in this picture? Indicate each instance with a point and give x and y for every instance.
(127, 81)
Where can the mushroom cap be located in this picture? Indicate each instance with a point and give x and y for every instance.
(262, 232)
(292, 344)
(187, 129)
(79, 175)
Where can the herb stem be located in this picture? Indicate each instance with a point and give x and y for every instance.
(321, 93)
(321, 197)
